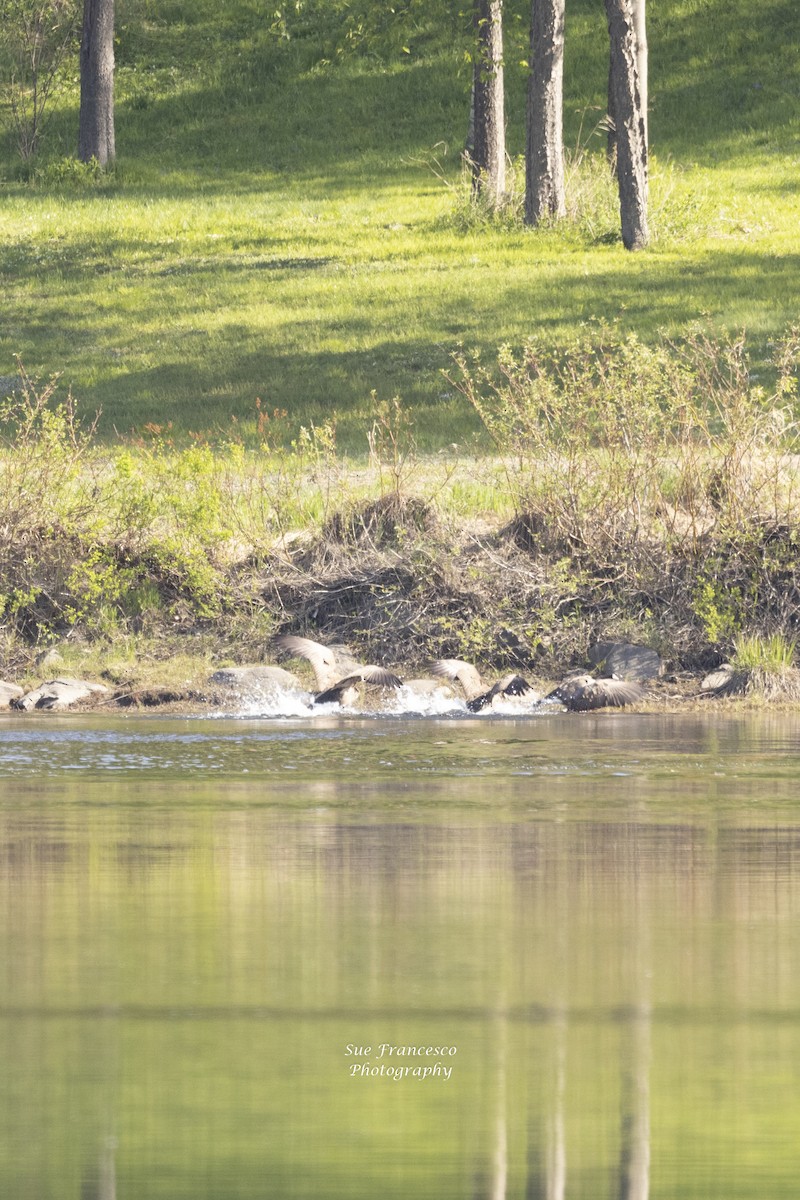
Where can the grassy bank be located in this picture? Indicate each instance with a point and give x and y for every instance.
(649, 495)
(287, 223)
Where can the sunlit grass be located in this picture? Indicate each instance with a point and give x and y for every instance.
(275, 229)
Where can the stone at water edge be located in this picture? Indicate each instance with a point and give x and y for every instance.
(627, 660)
(8, 693)
(258, 678)
(58, 694)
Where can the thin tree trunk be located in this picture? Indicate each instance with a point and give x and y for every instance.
(640, 32)
(487, 109)
(96, 122)
(630, 125)
(544, 152)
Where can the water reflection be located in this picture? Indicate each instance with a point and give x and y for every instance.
(185, 956)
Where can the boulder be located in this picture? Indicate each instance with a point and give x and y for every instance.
(58, 694)
(8, 693)
(725, 680)
(256, 679)
(626, 660)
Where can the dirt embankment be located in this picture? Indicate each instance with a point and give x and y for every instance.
(402, 587)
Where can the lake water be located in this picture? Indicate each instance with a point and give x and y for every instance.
(552, 957)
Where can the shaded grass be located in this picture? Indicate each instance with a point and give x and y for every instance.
(273, 230)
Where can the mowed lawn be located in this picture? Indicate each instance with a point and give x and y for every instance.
(296, 233)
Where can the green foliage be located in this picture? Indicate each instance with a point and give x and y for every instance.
(36, 37)
(72, 174)
(775, 653)
(718, 607)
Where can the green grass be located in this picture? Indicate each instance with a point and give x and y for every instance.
(274, 229)
(773, 654)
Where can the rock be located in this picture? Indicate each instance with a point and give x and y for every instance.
(725, 680)
(59, 694)
(49, 658)
(8, 693)
(515, 650)
(256, 679)
(717, 678)
(626, 660)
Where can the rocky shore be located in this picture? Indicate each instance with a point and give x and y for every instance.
(248, 687)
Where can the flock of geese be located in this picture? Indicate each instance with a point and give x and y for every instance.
(339, 679)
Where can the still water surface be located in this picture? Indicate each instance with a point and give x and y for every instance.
(210, 928)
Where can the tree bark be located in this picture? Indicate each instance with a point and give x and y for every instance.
(487, 146)
(544, 149)
(640, 33)
(96, 122)
(630, 125)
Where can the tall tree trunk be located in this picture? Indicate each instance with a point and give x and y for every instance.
(96, 122)
(544, 150)
(640, 32)
(630, 125)
(487, 143)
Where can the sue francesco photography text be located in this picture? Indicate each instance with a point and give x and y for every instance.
(393, 1060)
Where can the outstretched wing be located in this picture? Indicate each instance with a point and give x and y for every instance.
(380, 676)
(615, 693)
(322, 658)
(513, 685)
(370, 674)
(509, 685)
(461, 672)
(581, 693)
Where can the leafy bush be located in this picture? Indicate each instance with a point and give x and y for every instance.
(667, 472)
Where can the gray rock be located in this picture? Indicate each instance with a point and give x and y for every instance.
(49, 658)
(58, 694)
(625, 660)
(255, 679)
(8, 693)
(9, 384)
(725, 680)
(720, 677)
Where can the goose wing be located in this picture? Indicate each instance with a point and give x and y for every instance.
(368, 674)
(615, 693)
(379, 676)
(581, 693)
(461, 672)
(322, 658)
(509, 685)
(513, 685)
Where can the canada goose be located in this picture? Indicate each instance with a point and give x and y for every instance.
(579, 693)
(337, 673)
(478, 695)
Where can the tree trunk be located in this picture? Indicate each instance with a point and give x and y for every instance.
(487, 116)
(630, 125)
(544, 151)
(96, 122)
(640, 32)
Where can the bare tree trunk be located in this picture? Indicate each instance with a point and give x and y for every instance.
(96, 122)
(487, 142)
(640, 32)
(544, 151)
(630, 125)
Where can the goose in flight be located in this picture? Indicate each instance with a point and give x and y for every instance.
(336, 671)
(478, 694)
(580, 693)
